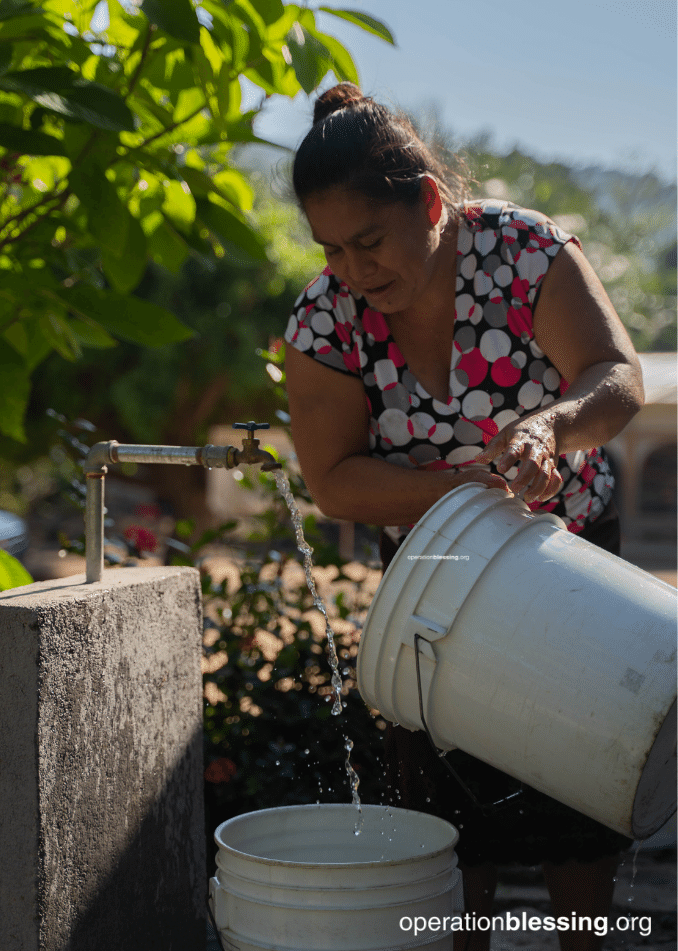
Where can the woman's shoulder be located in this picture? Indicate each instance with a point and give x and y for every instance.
(516, 223)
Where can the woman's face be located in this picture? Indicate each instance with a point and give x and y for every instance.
(384, 252)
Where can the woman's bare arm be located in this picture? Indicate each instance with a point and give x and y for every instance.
(330, 434)
(578, 329)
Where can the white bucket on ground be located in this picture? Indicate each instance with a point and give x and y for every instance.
(298, 878)
(544, 656)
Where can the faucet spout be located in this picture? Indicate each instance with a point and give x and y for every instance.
(251, 454)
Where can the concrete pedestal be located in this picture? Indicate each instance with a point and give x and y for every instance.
(101, 787)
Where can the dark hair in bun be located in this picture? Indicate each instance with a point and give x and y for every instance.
(359, 144)
(338, 97)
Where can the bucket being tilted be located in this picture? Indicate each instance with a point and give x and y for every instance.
(298, 878)
(539, 653)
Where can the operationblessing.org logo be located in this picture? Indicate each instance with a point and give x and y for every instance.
(508, 922)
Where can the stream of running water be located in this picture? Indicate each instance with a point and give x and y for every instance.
(284, 488)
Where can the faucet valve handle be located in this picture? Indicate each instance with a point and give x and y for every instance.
(251, 426)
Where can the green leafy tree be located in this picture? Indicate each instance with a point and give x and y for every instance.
(172, 395)
(117, 125)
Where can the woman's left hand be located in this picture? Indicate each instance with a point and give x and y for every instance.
(531, 443)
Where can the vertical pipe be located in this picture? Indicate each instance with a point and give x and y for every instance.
(94, 526)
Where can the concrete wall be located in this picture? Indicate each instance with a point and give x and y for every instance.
(101, 790)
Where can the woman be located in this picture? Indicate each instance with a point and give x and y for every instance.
(450, 342)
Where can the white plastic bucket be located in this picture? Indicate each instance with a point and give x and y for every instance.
(543, 655)
(298, 878)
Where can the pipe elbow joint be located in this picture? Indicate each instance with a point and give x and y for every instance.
(100, 456)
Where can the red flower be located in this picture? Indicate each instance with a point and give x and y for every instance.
(147, 510)
(141, 538)
(221, 770)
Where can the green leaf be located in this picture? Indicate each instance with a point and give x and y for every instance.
(12, 572)
(92, 335)
(107, 215)
(179, 206)
(24, 24)
(100, 106)
(145, 104)
(16, 8)
(247, 12)
(59, 89)
(61, 336)
(188, 102)
(310, 59)
(124, 271)
(342, 63)
(198, 181)
(270, 11)
(230, 228)
(167, 247)
(178, 18)
(6, 54)
(126, 316)
(264, 76)
(41, 79)
(368, 23)
(14, 392)
(26, 142)
(234, 187)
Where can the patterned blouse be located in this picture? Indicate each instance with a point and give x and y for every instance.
(497, 372)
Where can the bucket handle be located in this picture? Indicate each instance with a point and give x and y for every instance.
(441, 753)
(214, 924)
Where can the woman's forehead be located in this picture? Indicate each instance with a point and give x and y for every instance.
(346, 213)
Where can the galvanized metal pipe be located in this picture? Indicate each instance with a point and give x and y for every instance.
(94, 525)
(104, 454)
(208, 456)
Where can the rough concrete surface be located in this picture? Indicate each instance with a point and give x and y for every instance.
(101, 809)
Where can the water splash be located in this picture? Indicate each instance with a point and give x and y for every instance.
(354, 783)
(634, 867)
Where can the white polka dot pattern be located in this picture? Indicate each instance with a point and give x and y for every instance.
(497, 370)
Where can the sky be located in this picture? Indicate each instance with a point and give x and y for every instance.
(584, 82)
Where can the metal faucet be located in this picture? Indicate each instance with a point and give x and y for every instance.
(250, 453)
(103, 454)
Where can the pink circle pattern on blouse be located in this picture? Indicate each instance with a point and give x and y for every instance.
(497, 371)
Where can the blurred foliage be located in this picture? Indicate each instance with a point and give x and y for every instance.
(12, 572)
(172, 395)
(117, 124)
(626, 223)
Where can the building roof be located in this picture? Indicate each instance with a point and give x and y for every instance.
(660, 377)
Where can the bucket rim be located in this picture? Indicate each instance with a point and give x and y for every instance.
(336, 807)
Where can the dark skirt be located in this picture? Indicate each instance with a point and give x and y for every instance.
(531, 828)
